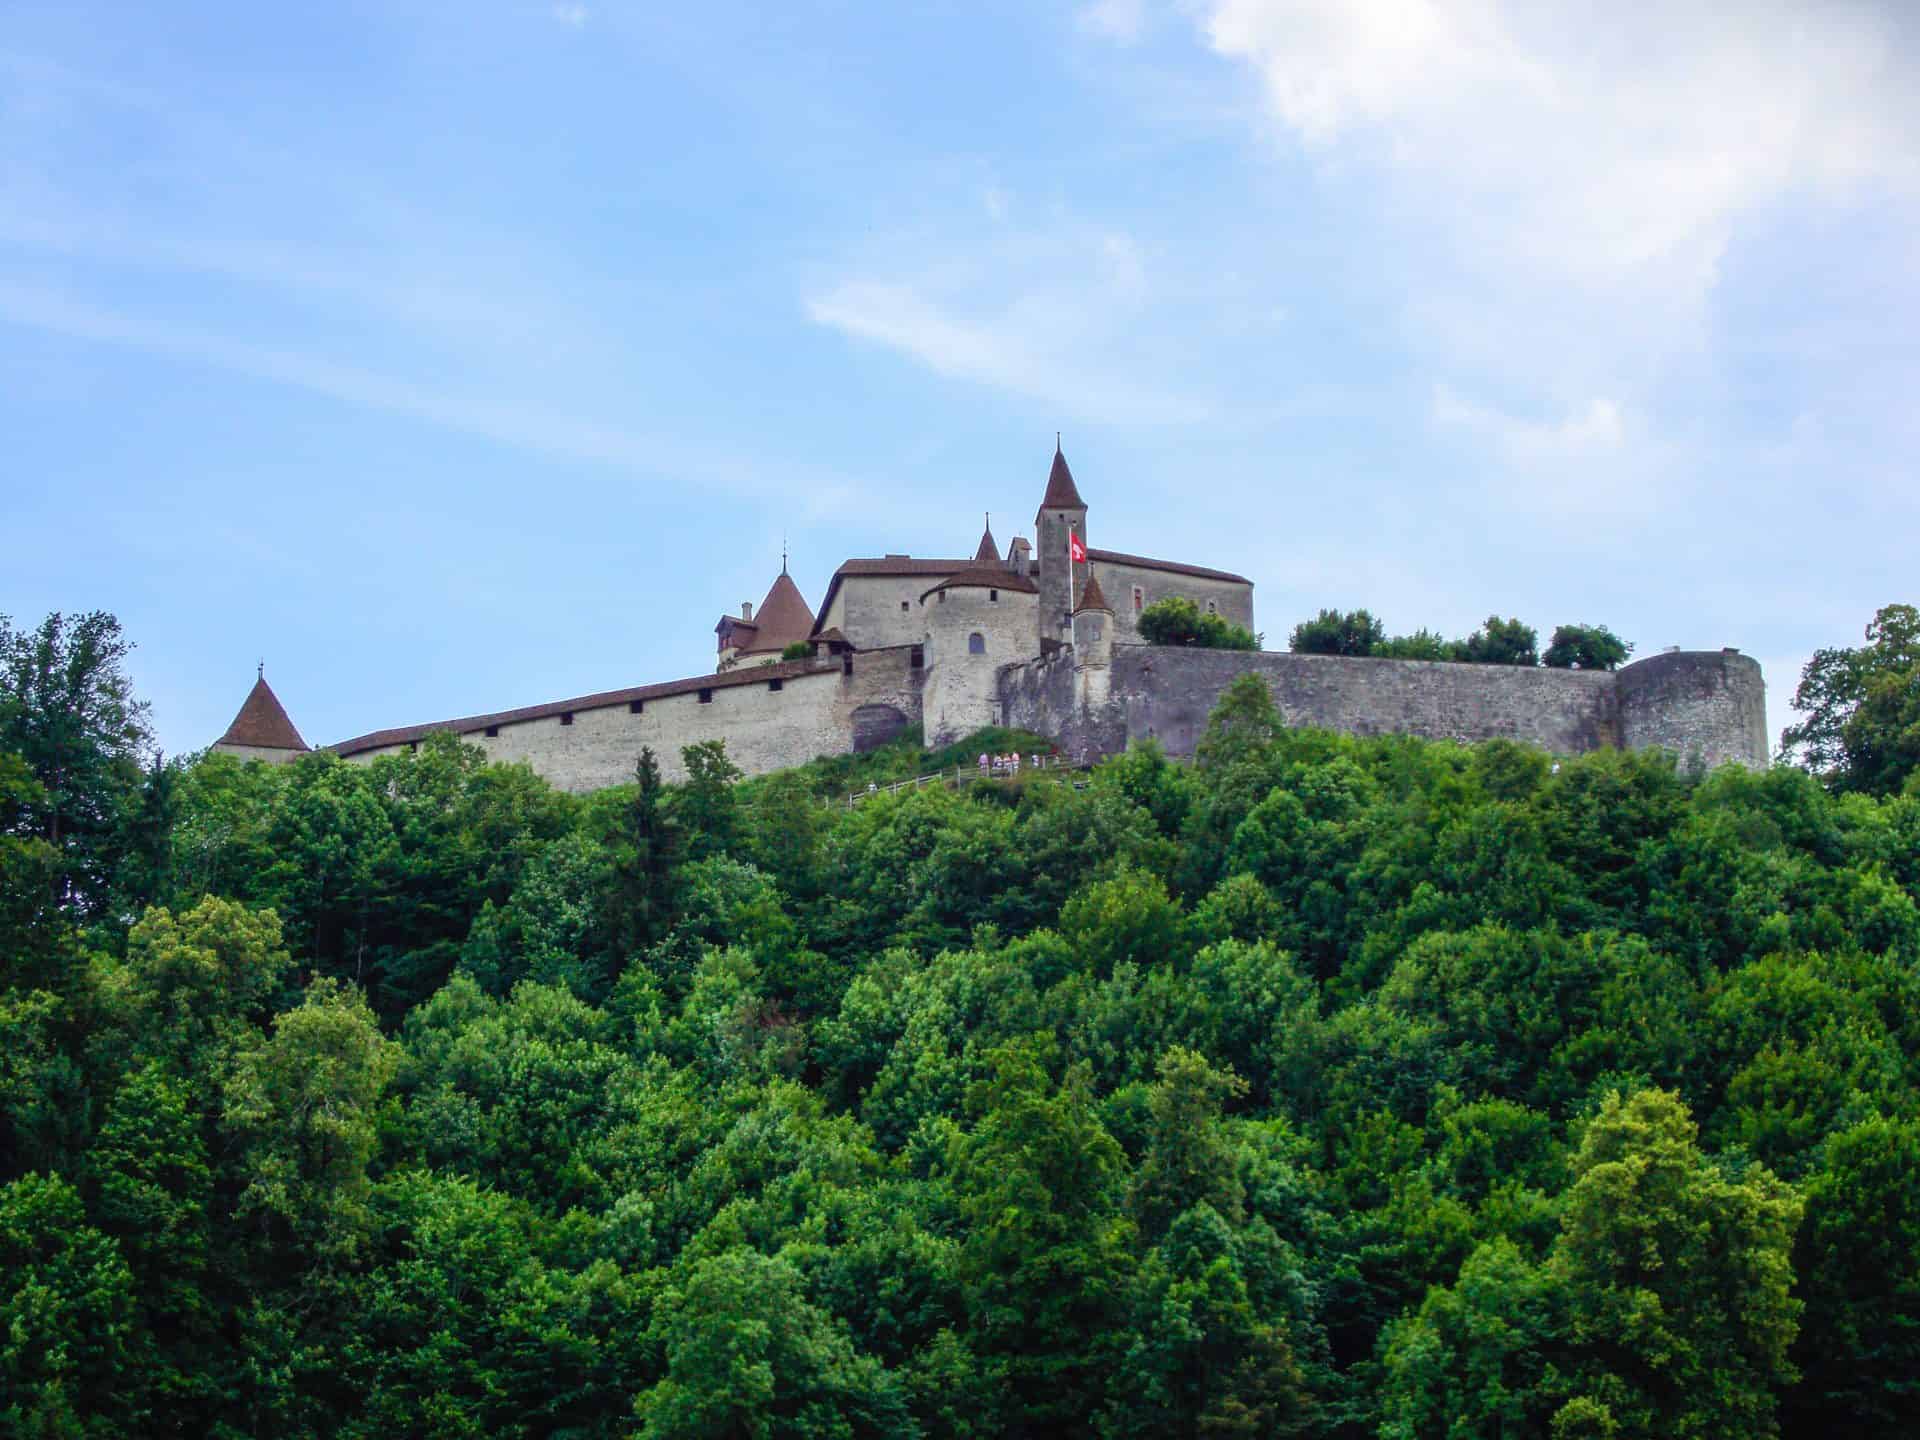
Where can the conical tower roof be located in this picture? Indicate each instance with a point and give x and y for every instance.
(988, 552)
(1092, 598)
(783, 617)
(1062, 493)
(262, 722)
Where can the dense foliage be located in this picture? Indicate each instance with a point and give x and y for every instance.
(1498, 642)
(1176, 620)
(1321, 1087)
(1861, 705)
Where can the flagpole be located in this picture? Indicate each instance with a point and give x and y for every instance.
(1070, 599)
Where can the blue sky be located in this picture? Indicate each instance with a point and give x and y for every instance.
(454, 356)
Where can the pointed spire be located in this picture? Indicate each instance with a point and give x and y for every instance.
(262, 723)
(988, 551)
(1092, 598)
(1062, 493)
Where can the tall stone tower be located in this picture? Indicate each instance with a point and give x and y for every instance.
(1062, 511)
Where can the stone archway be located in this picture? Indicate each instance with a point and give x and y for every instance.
(874, 725)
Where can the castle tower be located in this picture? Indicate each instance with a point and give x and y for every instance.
(782, 619)
(987, 552)
(1092, 643)
(262, 731)
(977, 621)
(1062, 513)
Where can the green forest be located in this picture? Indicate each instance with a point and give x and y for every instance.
(1319, 1087)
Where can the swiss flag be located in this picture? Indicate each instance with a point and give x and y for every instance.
(1076, 549)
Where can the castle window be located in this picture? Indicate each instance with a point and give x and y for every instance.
(1212, 609)
(903, 604)
(993, 595)
(566, 717)
(775, 684)
(706, 697)
(493, 732)
(916, 658)
(636, 707)
(976, 644)
(1139, 598)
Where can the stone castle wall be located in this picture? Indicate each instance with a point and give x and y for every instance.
(1232, 599)
(1708, 707)
(822, 712)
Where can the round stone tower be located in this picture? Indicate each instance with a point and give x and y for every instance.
(1706, 706)
(1092, 644)
(977, 621)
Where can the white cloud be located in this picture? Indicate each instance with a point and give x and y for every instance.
(1064, 313)
(1581, 140)
(571, 15)
(1597, 428)
(1121, 21)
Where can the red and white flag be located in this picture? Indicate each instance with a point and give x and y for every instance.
(1075, 550)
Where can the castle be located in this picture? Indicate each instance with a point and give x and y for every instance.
(1045, 637)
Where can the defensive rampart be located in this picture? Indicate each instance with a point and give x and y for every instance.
(1707, 707)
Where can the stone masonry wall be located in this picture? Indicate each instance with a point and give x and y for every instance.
(1707, 707)
(809, 716)
(868, 609)
(1698, 705)
(1233, 599)
(962, 692)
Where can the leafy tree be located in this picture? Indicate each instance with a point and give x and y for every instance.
(705, 807)
(1047, 1256)
(1501, 642)
(1585, 647)
(1188, 1160)
(66, 1317)
(1860, 708)
(1176, 620)
(1858, 1259)
(301, 1106)
(67, 709)
(1422, 644)
(1336, 632)
(1677, 1277)
(746, 1354)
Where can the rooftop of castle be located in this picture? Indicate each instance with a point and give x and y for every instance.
(262, 722)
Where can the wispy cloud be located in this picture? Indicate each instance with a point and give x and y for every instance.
(1052, 312)
(571, 15)
(1121, 21)
(488, 416)
(1595, 429)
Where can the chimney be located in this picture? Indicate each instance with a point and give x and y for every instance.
(746, 610)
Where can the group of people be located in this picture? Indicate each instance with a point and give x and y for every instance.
(1008, 764)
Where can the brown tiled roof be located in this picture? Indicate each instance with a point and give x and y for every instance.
(901, 565)
(742, 675)
(987, 553)
(262, 722)
(783, 617)
(1062, 493)
(832, 635)
(1092, 597)
(1172, 567)
(982, 577)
